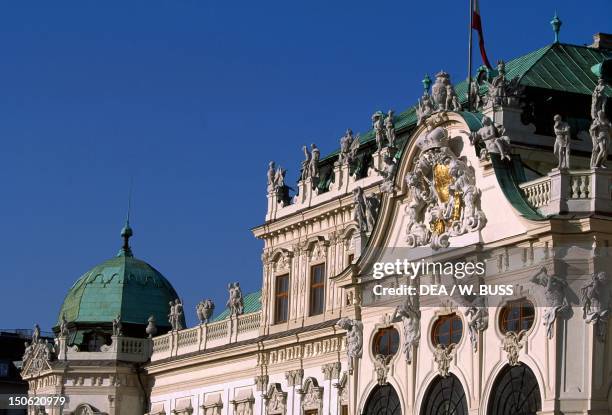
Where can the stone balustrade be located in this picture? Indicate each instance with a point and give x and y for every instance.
(128, 349)
(571, 191)
(206, 336)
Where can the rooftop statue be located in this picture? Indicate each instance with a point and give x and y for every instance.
(151, 328)
(388, 171)
(562, 142)
(598, 99)
(439, 91)
(305, 164)
(63, 331)
(554, 294)
(601, 131)
(494, 139)
(474, 96)
(349, 146)
(500, 90)
(390, 128)
(379, 131)
(279, 187)
(425, 107)
(204, 310)
(176, 312)
(365, 210)
(410, 316)
(117, 326)
(452, 101)
(235, 303)
(271, 175)
(314, 164)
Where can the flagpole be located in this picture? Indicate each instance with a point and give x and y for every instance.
(469, 106)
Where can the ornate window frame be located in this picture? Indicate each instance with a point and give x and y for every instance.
(311, 396)
(213, 404)
(276, 400)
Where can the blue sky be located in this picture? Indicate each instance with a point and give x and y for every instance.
(192, 99)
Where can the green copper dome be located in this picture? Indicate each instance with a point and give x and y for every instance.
(124, 286)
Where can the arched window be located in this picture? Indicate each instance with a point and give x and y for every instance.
(515, 391)
(383, 400)
(386, 342)
(447, 329)
(445, 396)
(516, 316)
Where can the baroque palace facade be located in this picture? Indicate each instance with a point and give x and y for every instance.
(484, 174)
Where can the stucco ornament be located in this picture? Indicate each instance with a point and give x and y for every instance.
(37, 354)
(235, 302)
(366, 209)
(494, 139)
(410, 316)
(276, 400)
(349, 146)
(176, 311)
(598, 98)
(443, 356)
(444, 199)
(354, 339)
(512, 345)
(204, 310)
(379, 130)
(390, 128)
(117, 326)
(562, 142)
(601, 132)
(597, 303)
(381, 367)
(555, 297)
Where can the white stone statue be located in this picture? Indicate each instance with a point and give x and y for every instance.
(493, 137)
(36, 334)
(556, 299)
(598, 99)
(305, 164)
(439, 91)
(475, 98)
(379, 131)
(281, 190)
(151, 328)
(63, 330)
(365, 210)
(314, 164)
(117, 326)
(452, 101)
(349, 146)
(388, 171)
(562, 142)
(390, 129)
(204, 310)
(601, 131)
(497, 87)
(425, 107)
(597, 303)
(271, 175)
(410, 316)
(235, 303)
(354, 339)
(176, 312)
(381, 367)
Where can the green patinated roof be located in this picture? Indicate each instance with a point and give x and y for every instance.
(252, 303)
(122, 285)
(558, 66)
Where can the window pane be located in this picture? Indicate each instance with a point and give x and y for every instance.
(317, 289)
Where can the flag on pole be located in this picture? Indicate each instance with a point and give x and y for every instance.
(477, 25)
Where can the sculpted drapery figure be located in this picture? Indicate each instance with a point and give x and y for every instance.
(349, 146)
(452, 101)
(271, 175)
(554, 294)
(379, 132)
(439, 91)
(425, 107)
(597, 303)
(117, 326)
(314, 164)
(305, 164)
(390, 128)
(204, 310)
(63, 331)
(410, 316)
(176, 311)
(601, 131)
(235, 303)
(493, 137)
(478, 320)
(562, 142)
(365, 210)
(598, 99)
(354, 339)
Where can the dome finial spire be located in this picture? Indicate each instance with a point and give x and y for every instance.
(126, 231)
(556, 26)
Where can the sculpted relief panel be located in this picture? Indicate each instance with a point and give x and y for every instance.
(444, 199)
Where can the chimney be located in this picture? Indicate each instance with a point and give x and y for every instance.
(602, 41)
